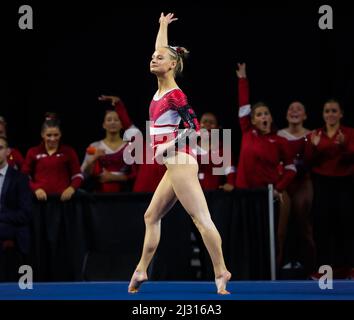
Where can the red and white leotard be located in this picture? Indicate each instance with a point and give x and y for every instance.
(166, 113)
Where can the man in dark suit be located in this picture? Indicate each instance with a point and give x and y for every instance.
(15, 204)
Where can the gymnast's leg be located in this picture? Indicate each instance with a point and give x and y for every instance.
(183, 175)
(162, 201)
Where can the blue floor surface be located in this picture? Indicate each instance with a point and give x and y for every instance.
(241, 290)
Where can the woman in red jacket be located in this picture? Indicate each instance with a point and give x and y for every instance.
(262, 150)
(205, 154)
(53, 167)
(330, 152)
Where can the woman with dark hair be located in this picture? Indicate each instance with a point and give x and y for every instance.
(180, 182)
(300, 189)
(53, 167)
(261, 152)
(104, 159)
(204, 152)
(330, 152)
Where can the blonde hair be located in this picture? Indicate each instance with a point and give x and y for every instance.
(178, 54)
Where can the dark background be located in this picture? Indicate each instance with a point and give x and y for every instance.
(78, 51)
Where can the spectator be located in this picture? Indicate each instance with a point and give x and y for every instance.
(208, 180)
(53, 167)
(261, 152)
(330, 151)
(104, 159)
(300, 189)
(15, 206)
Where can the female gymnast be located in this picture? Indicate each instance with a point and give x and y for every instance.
(330, 153)
(168, 107)
(300, 190)
(261, 152)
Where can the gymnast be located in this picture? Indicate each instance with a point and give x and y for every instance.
(180, 182)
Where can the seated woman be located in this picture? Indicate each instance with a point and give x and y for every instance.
(53, 168)
(14, 158)
(104, 159)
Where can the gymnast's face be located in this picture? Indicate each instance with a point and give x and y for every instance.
(51, 137)
(296, 113)
(262, 119)
(332, 113)
(208, 121)
(112, 122)
(162, 62)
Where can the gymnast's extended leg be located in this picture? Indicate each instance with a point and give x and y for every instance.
(183, 174)
(162, 201)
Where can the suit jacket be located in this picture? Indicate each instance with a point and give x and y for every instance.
(16, 206)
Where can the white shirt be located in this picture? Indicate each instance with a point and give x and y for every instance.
(2, 176)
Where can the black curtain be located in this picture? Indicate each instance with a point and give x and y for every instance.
(100, 237)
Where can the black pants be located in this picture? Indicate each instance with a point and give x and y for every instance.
(7, 232)
(333, 212)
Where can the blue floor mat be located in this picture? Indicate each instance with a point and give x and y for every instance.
(164, 290)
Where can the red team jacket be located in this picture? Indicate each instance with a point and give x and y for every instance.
(52, 173)
(329, 158)
(260, 155)
(15, 159)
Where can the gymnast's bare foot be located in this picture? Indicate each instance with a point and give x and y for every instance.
(221, 282)
(137, 279)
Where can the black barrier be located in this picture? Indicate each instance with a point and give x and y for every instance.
(99, 237)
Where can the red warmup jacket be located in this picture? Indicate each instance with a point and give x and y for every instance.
(208, 180)
(260, 155)
(123, 115)
(148, 175)
(329, 158)
(53, 173)
(15, 159)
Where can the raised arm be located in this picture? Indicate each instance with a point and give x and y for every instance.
(130, 130)
(243, 89)
(244, 110)
(162, 39)
(120, 109)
